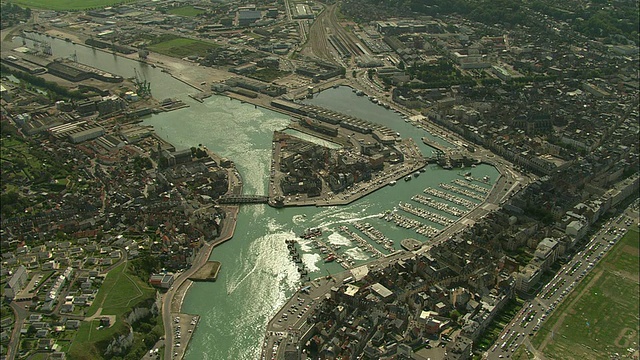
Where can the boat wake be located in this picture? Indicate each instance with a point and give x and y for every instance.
(337, 239)
(348, 220)
(299, 219)
(357, 254)
(232, 287)
(310, 261)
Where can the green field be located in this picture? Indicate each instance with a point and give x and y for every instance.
(119, 293)
(600, 317)
(185, 11)
(182, 47)
(268, 75)
(68, 4)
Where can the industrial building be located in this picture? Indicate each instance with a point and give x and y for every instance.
(86, 134)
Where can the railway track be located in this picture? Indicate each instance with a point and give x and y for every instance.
(329, 41)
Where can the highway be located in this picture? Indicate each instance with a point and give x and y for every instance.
(535, 312)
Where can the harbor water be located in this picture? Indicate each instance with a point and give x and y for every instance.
(257, 274)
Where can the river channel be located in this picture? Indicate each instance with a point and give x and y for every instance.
(257, 275)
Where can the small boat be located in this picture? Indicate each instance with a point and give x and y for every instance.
(416, 174)
(330, 258)
(392, 182)
(407, 178)
(311, 233)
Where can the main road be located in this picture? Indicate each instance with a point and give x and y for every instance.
(20, 315)
(534, 312)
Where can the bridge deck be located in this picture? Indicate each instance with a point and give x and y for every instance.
(243, 199)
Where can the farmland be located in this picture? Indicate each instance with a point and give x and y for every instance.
(68, 4)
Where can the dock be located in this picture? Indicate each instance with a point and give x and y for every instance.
(199, 97)
(207, 272)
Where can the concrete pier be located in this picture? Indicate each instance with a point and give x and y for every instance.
(207, 272)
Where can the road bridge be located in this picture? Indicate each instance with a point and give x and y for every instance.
(243, 199)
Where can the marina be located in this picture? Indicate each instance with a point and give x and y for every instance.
(452, 198)
(374, 235)
(427, 215)
(362, 243)
(451, 210)
(470, 186)
(461, 191)
(419, 227)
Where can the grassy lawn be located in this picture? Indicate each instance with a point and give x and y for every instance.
(182, 47)
(119, 293)
(600, 317)
(68, 4)
(185, 11)
(268, 75)
(83, 346)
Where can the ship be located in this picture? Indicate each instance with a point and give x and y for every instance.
(311, 233)
(330, 258)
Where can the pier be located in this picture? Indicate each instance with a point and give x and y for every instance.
(419, 227)
(362, 243)
(208, 272)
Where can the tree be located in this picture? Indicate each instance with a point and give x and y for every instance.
(454, 315)
(370, 73)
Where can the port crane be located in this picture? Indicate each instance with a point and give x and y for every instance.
(143, 87)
